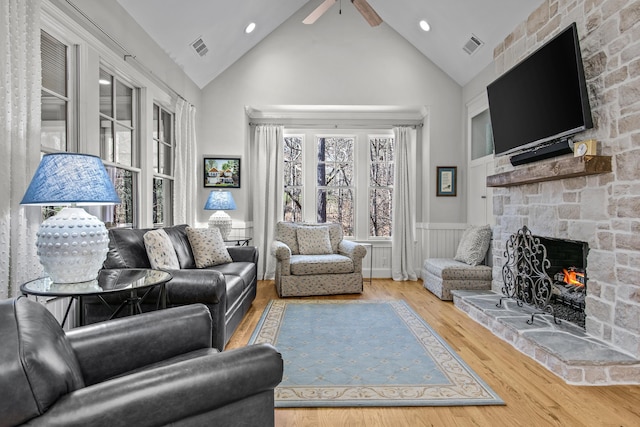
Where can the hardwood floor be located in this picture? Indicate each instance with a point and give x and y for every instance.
(533, 395)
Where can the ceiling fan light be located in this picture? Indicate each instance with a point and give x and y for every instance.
(424, 25)
(249, 29)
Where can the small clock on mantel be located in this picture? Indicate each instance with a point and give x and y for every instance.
(585, 148)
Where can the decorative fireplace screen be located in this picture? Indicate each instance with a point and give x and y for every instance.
(525, 273)
(548, 274)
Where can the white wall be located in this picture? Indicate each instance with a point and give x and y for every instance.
(340, 60)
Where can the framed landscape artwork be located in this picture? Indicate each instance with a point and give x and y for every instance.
(446, 181)
(221, 172)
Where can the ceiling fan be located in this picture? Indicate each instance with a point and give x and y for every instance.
(363, 7)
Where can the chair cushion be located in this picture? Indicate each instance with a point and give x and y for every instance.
(302, 265)
(314, 241)
(208, 247)
(160, 250)
(474, 244)
(450, 269)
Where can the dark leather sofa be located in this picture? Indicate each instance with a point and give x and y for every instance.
(227, 289)
(153, 369)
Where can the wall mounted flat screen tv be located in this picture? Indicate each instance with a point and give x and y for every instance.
(543, 98)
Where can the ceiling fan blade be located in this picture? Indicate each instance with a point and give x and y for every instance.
(367, 12)
(319, 11)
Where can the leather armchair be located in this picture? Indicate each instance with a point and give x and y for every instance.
(148, 370)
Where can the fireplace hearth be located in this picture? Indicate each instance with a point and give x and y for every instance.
(548, 274)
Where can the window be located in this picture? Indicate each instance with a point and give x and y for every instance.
(118, 145)
(163, 158)
(334, 184)
(321, 179)
(55, 100)
(293, 179)
(381, 160)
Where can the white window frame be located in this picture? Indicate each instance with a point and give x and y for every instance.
(361, 173)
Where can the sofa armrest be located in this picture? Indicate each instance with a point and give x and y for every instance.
(243, 253)
(171, 393)
(280, 250)
(110, 348)
(353, 250)
(193, 285)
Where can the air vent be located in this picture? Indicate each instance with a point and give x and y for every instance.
(199, 46)
(472, 44)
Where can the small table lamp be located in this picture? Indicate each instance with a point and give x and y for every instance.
(220, 200)
(73, 244)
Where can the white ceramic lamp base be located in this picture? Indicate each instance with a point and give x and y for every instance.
(222, 221)
(72, 246)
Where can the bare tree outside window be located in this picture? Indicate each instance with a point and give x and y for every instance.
(293, 179)
(335, 191)
(381, 157)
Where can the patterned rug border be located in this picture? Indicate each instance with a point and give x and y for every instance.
(466, 387)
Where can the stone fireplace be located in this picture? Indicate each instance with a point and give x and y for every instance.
(602, 209)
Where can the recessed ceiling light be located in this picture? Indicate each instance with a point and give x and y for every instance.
(424, 25)
(104, 82)
(250, 28)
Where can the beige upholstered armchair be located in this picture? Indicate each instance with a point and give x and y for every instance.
(313, 259)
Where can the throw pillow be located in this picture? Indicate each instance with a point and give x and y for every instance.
(160, 250)
(208, 247)
(314, 241)
(474, 244)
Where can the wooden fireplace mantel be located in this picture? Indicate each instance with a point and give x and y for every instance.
(569, 167)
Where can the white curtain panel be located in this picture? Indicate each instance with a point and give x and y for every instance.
(186, 182)
(404, 206)
(20, 71)
(267, 160)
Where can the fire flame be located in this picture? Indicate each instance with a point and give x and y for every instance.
(572, 277)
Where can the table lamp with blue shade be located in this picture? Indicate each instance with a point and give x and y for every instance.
(220, 200)
(73, 244)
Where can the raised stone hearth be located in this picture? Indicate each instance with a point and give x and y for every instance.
(565, 349)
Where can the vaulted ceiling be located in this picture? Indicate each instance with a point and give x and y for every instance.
(176, 24)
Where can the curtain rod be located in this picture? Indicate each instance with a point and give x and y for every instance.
(149, 74)
(338, 126)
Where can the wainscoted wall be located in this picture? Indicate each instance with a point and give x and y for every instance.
(602, 210)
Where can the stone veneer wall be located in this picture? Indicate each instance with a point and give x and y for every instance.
(603, 210)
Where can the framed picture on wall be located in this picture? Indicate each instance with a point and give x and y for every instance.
(446, 180)
(221, 172)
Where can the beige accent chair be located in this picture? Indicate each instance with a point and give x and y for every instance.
(313, 259)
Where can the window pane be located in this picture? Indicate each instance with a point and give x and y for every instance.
(381, 158)
(121, 215)
(166, 160)
(124, 138)
(336, 205)
(335, 149)
(106, 97)
(293, 204)
(293, 161)
(124, 104)
(106, 138)
(335, 175)
(54, 122)
(156, 123)
(165, 127)
(162, 196)
(156, 148)
(54, 64)
(380, 204)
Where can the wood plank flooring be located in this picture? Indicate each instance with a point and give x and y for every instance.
(533, 395)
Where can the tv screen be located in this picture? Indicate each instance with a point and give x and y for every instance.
(543, 98)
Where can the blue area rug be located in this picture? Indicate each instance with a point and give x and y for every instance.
(364, 353)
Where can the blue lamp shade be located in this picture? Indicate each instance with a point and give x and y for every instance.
(221, 201)
(69, 178)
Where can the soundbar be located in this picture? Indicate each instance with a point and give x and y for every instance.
(552, 150)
